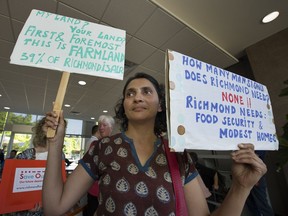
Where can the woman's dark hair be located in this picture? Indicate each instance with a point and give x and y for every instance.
(160, 120)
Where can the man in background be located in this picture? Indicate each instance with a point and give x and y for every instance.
(95, 135)
(213, 180)
(209, 175)
(13, 154)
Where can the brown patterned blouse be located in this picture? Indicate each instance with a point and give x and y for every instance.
(128, 188)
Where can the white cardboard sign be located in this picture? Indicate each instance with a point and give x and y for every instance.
(210, 108)
(28, 179)
(63, 43)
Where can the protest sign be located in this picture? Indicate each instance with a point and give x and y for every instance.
(63, 43)
(210, 108)
(70, 45)
(21, 184)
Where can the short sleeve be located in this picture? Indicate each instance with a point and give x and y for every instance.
(90, 160)
(186, 166)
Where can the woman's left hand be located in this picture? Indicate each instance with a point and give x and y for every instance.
(248, 168)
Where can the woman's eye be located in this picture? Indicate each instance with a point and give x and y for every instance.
(129, 94)
(148, 91)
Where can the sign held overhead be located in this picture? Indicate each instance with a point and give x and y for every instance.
(57, 42)
(63, 43)
(210, 108)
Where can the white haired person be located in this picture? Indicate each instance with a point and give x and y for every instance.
(104, 129)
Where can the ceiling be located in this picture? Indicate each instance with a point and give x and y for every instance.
(216, 32)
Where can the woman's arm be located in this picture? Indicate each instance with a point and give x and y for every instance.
(247, 169)
(58, 197)
(195, 200)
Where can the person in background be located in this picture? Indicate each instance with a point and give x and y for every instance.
(39, 151)
(258, 200)
(209, 175)
(40, 147)
(131, 166)
(2, 160)
(67, 161)
(13, 154)
(212, 180)
(95, 135)
(106, 124)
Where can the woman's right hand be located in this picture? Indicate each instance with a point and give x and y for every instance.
(57, 123)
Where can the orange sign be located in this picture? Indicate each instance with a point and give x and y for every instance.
(21, 185)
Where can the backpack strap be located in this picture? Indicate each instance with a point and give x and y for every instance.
(181, 209)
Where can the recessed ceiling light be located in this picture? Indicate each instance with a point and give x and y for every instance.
(270, 17)
(67, 105)
(82, 82)
(0, 95)
(105, 111)
(92, 118)
(7, 108)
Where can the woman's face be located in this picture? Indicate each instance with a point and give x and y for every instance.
(141, 100)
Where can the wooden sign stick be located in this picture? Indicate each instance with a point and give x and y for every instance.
(59, 99)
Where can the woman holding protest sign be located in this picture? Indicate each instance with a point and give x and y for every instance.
(132, 169)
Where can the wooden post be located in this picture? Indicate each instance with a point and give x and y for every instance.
(59, 99)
